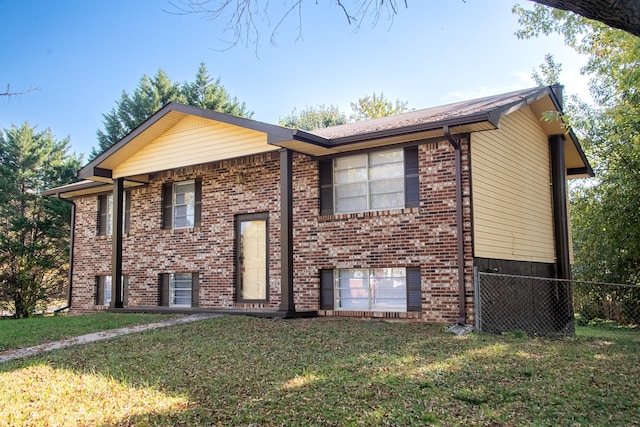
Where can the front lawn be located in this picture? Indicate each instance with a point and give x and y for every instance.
(237, 370)
(18, 333)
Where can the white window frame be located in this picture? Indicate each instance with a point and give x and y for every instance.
(108, 231)
(180, 278)
(369, 181)
(370, 289)
(109, 217)
(106, 291)
(189, 204)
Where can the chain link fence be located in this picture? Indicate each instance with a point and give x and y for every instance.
(536, 306)
(550, 307)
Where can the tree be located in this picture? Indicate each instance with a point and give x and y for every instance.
(152, 93)
(34, 230)
(549, 73)
(605, 213)
(621, 14)
(242, 15)
(204, 92)
(314, 118)
(371, 107)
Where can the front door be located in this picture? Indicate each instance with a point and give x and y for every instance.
(251, 257)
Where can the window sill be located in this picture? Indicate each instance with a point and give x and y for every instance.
(182, 230)
(367, 214)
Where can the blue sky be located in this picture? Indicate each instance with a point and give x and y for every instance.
(82, 54)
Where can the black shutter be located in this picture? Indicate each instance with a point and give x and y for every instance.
(125, 290)
(411, 178)
(167, 203)
(326, 289)
(195, 290)
(198, 203)
(127, 212)
(102, 215)
(99, 290)
(164, 289)
(414, 289)
(326, 186)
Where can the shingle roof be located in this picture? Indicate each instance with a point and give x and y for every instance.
(490, 107)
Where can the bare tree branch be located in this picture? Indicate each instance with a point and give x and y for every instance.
(240, 15)
(9, 93)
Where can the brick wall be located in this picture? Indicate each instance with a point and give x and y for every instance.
(148, 250)
(424, 236)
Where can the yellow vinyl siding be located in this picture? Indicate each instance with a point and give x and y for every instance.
(193, 140)
(512, 212)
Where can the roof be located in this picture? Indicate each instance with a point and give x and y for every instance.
(489, 108)
(459, 118)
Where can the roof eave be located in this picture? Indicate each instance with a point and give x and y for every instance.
(587, 171)
(454, 122)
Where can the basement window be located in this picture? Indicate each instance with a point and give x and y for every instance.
(373, 289)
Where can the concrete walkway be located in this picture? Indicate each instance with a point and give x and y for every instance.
(5, 356)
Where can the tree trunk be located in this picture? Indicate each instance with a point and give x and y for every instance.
(621, 14)
(20, 306)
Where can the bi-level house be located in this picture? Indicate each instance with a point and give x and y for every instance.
(198, 210)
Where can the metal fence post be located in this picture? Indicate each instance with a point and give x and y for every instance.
(476, 299)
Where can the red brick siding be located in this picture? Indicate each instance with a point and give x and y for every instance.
(424, 236)
(148, 250)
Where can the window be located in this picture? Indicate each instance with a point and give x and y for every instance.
(105, 217)
(380, 289)
(369, 181)
(182, 202)
(179, 289)
(109, 220)
(104, 286)
(371, 289)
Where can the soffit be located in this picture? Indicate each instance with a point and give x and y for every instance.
(151, 133)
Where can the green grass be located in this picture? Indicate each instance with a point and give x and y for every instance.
(246, 371)
(37, 330)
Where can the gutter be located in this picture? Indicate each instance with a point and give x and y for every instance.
(71, 245)
(462, 310)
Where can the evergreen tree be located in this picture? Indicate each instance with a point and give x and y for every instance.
(34, 230)
(152, 93)
(205, 92)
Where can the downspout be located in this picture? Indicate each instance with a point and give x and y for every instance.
(71, 245)
(462, 309)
